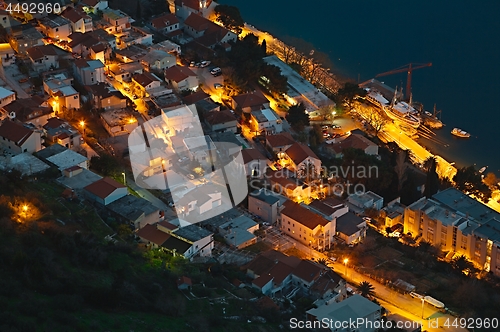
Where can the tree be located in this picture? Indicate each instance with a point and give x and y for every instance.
(322, 261)
(401, 168)
(469, 181)
(432, 180)
(263, 46)
(366, 289)
(230, 17)
(297, 116)
(376, 120)
(491, 180)
(463, 265)
(274, 81)
(347, 94)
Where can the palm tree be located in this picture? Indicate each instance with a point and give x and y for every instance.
(322, 261)
(462, 264)
(366, 289)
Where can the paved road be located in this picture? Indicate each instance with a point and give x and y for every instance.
(13, 84)
(395, 302)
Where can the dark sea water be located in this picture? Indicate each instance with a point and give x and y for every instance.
(364, 38)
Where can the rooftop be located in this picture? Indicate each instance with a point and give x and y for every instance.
(156, 55)
(265, 115)
(164, 20)
(279, 140)
(192, 233)
(350, 309)
(252, 154)
(25, 162)
(4, 93)
(221, 117)
(67, 158)
(132, 207)
(265, 195)
(178, 73)
(38, 52)
(15, 132)
(118, 117)
(303, 215)
(250, 99)
(354, 141)
(152, 234)
(348, 223)
(145, 79)
(53, 21)
(457, 200)
(299, 152)
(103, 187)
(309, 92)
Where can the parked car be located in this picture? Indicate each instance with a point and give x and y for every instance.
(192, 64)
(218, 86)
(215, 71)
(191, 176)
(204, 64)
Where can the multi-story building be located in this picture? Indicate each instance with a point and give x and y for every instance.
(307, 227)
(457, 223)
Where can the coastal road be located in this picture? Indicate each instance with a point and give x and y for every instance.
(404, 305)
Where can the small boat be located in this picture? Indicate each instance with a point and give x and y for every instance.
(460, 133)
(482, 169)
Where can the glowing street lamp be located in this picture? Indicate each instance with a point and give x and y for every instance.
(124, 179)
(346, 260)
(25, 208)
(82, 124)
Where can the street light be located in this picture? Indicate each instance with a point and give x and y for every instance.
(346, 260)
(82, 124)
(124, 179)
(422, 308)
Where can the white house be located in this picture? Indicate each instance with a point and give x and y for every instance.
(222, 121)
(351, 228)
(118, 20)
(158, 60)
(353, 309)
(68, 158)
(43, 57)
(255, 163)
(265, 204)
(105, 191)
(79, 20)
(55, 27)
(146, 83)
(306, 226)
(301, 159)
(89, 72)
(198, 201)
(92, 6)
(201, 241)
(6, 96)
(119, 122)
(366, 200)
(181, 78)
(165, 23)
(268, 121)
(239, 232)
(17, 138)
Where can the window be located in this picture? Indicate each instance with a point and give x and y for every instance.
(57, 29)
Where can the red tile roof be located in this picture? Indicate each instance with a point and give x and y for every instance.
(38, 52)
(195, 97)
(103, 187)
(262, 280)
(197, 22)
(164, 20)
(307, 271)
(168, 225)
(151, 234)
(144, 79)
(299, 152)
(278, 140)
(214, 118)
(178, 73)
(15, 132)
(354, 141)
(54, 123)
(303, 215)
(250, 100)
(72, 14)
(252, 154)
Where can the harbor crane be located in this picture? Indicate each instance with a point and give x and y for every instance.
(409, 68)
